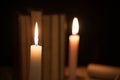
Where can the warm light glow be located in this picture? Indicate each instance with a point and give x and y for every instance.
(36, 34)
(75, 26)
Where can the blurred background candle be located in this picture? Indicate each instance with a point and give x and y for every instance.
(73, 49)
(35, 57)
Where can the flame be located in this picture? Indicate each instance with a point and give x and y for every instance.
(75, 26)
(36, 34)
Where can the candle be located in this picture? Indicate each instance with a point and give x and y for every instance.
(35, 57)
(73, 49)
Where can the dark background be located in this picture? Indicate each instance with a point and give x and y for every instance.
(96, 23)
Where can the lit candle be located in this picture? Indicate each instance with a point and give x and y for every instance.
(35, 57)
(73, 49)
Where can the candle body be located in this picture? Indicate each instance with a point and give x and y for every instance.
(73, 52)
(35, 62)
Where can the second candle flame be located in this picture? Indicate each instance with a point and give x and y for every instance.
(36, 34)
(75, 26)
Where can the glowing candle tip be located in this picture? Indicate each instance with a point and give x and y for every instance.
(36, 34)
(75, 26)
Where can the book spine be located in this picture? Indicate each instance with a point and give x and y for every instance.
(63, 28)
(55, 47)
(28, 43)
(46, 47)
(23, 47)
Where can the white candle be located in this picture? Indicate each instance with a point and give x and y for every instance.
(73, 49)
(35, 58)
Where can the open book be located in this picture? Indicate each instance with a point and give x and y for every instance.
(103, 72)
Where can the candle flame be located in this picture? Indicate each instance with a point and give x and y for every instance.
(36, 34)
(75, 26)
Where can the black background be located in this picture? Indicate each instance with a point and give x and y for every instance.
(96, 23)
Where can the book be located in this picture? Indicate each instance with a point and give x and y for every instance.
(25, 41)
(58, 25)
(54, 30)
(63, 30)
(23, 48)
(28, 43)
(55, 40)
(46, 39)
